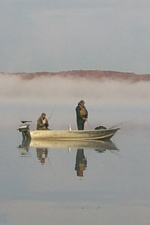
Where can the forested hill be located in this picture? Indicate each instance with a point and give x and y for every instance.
(87, 74)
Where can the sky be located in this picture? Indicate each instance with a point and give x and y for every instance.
(62, 35)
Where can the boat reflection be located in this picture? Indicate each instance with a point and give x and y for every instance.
(42, 147)
(99, 146)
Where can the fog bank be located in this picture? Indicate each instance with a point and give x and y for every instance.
(108, 102)
(65, 90)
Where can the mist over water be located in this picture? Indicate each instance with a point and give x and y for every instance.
(52, 88)
(108, 102)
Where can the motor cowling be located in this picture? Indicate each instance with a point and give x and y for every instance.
(24, 129)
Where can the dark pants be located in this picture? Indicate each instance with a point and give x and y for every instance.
(80, 125)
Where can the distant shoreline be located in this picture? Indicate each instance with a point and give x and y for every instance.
(85, 74)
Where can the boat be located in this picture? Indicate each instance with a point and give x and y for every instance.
(72, 134)
(97, 134)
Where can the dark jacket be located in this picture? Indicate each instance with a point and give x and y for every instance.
(81, 113)
(41, 125)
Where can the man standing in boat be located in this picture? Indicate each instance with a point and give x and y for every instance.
(42, 122)
(82, 115)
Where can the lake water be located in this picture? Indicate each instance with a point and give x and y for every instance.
(113, 186)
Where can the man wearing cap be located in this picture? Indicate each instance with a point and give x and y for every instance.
(42, 122)
(82, 115)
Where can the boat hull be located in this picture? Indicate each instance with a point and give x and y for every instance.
(73, 134)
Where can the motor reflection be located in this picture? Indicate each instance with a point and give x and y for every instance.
(24, 147)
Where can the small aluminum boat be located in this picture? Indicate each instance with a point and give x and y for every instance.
(72, 134)
(97, 134)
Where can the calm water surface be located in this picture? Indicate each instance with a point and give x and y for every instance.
(112, 186)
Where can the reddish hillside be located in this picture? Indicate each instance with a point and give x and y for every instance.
(88, 74)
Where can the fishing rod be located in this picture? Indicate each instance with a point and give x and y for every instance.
(118, 124)
(51, 112)
(121, 123)
(89, 124)
(50, 164)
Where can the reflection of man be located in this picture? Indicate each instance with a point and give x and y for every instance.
(42, 122)
(82, 114)
(42, 154)
(81, 162)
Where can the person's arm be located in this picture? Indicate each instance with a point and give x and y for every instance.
(40, 124)
(46, 124)
(86, 114)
